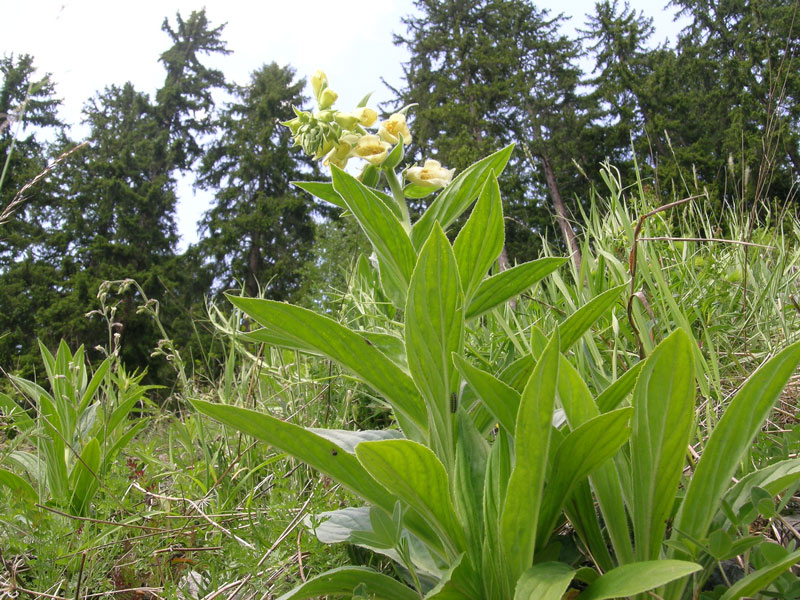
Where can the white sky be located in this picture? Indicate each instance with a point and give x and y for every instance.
(89, 44)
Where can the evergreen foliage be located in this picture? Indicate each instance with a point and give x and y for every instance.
(260, 230)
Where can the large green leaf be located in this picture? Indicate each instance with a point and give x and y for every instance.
(501, 400)
(495, 290)
(310, 330)
(414, 474)
(386, 234)
(662, 424)
(581, 452)
(729, 441)
(18, 486)
(314, 450)
(580, 407)
(481, 240)
(545, 581)
(345, 580)
(582, 319)
(458, 195)
(773, 478)
(472, 452)
(322, 190)
(520, 517)
(434, 330)
(338, 526)
(616, 392)
(84, 478)
(636, 578)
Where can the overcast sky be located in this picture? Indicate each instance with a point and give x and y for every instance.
(89, 44)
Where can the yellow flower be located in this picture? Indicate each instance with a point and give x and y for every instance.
(346, 120)
(372, 149)
(366, 116)
(342, 152)
(394, 126)
(432, 174)
(319, 81)
(327, 98)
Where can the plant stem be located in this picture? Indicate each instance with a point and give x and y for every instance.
(399, 197)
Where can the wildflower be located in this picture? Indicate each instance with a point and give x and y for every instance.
(342, 152)
(319, 81)
(346, 120)
(366, 116)
(327, 98)
(394, 126)
(432, 174)
(372, 149)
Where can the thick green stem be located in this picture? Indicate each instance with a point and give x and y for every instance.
(399, 196)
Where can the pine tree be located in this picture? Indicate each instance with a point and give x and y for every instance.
(259, 231)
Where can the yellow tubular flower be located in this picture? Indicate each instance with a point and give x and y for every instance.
(372, 149)
(391, 128)
(366, 116)
(327, 98)
(319, 81)
(432, 174)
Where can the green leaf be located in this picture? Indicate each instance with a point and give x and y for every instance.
(501, 400)
(729, 441)
(18, 486)
(434, 330)
(500, 288)
(472, 452)
(97, 379)
(457, 583)
(662, 424)
(636, 578)
(458, 195)
(481, 239)
(314, 450)
(545, 581)
(416, 192)
(578, 323)
(413, 473)
(758, 580)
(520, 517)
(616, 392)
(338, 526)
(582, 451)
(13, 410)
(580, 408)
(83, 478)
(344, 580)
(774, 478)
(307, 330)
(322, 190)
(386, 234)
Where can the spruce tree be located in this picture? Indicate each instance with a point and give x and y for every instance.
(489, 72)
(259, 232)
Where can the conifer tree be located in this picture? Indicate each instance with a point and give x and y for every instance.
(259, 231)
(489, 72)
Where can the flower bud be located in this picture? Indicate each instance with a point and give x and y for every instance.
(394, 126)
(319, 81)
(327, 98)
(366, 116)
(432, 174)
(346, 120)
(372, 149)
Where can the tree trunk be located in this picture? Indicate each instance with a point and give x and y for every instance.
(561, 211)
